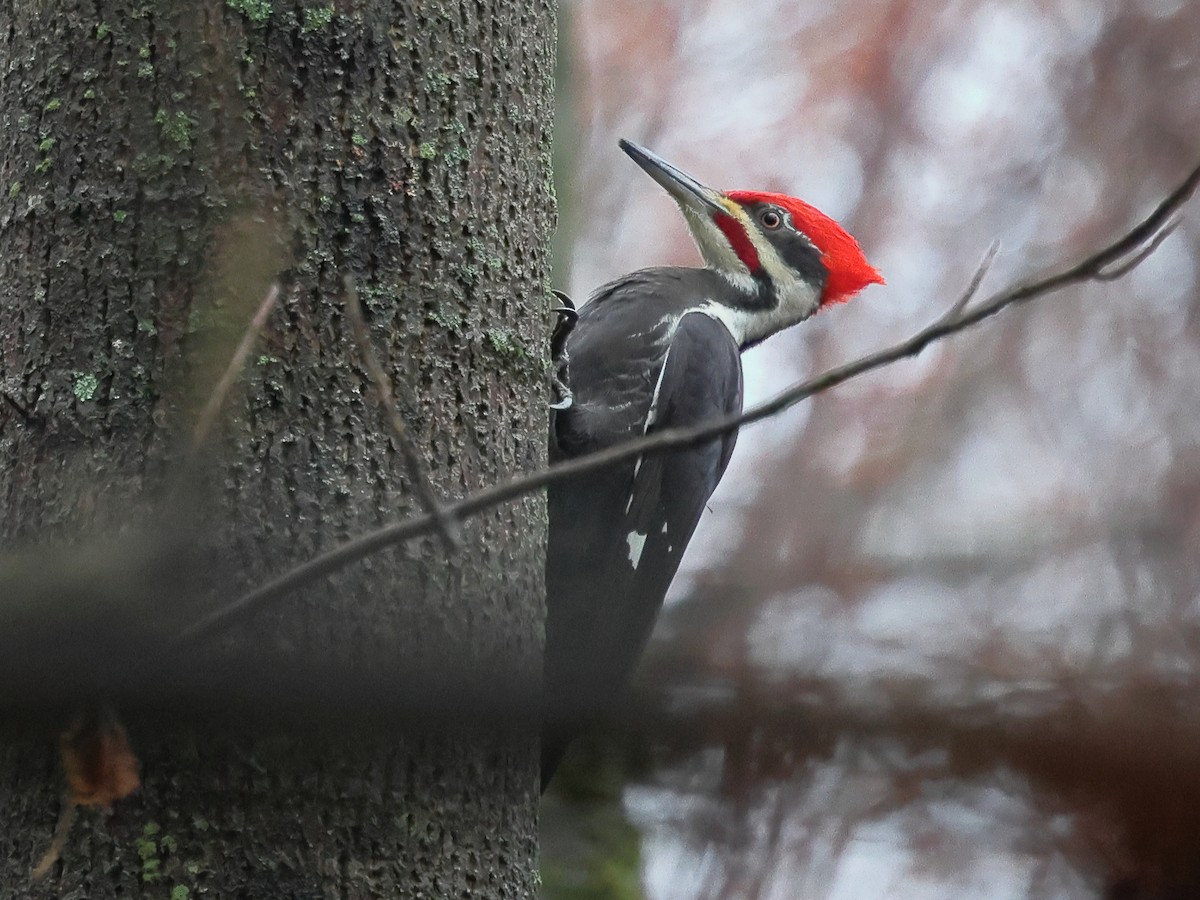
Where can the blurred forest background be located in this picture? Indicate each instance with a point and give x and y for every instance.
(940, 634)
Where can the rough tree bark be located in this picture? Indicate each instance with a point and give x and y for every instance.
(161, 163)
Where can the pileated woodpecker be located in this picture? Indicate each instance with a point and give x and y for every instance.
(661, 348)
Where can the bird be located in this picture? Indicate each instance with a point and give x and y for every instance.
(655, 349)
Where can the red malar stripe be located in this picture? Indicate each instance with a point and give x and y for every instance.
(735, 232)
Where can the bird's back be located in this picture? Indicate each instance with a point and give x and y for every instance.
(637, 361)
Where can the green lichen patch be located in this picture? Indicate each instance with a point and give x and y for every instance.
(257, 11)
(316, 18)
(447, 317)
(84, 386)
(176, 127)
(505, 343)
(428, 150)
(147, 850)
(480, 251)
(46, 148)
(153, 165)
(458, 154)
(151, 847)
(467, 273)
(436, 83)
(54, 105)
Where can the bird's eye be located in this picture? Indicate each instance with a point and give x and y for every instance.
(770, 219)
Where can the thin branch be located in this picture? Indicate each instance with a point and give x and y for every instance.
(973, 287)
(1118, 272)
(446, 525)
(1136, 241)
(237, 362)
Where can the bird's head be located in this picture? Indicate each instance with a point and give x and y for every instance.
(787, 258)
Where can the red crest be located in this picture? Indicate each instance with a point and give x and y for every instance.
(849, 271)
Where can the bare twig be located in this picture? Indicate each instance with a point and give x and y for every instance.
(1139, 240)
(973, 287)
(216, 400)
(445, 524)
(1117, 272)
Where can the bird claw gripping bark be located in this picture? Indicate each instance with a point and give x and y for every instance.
(567, 317)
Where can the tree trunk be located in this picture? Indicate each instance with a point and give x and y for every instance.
(161, 164)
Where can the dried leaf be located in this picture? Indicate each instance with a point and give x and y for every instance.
(99, 764)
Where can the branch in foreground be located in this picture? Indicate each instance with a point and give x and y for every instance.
(237, 362)
(1113, 261)
(210, 413)
(446, 525)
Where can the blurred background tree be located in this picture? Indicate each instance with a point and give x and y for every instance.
(940, 634)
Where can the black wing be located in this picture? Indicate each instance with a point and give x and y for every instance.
(617, 536)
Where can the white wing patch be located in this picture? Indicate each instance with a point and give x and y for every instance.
(637, 542)
(650, 416)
